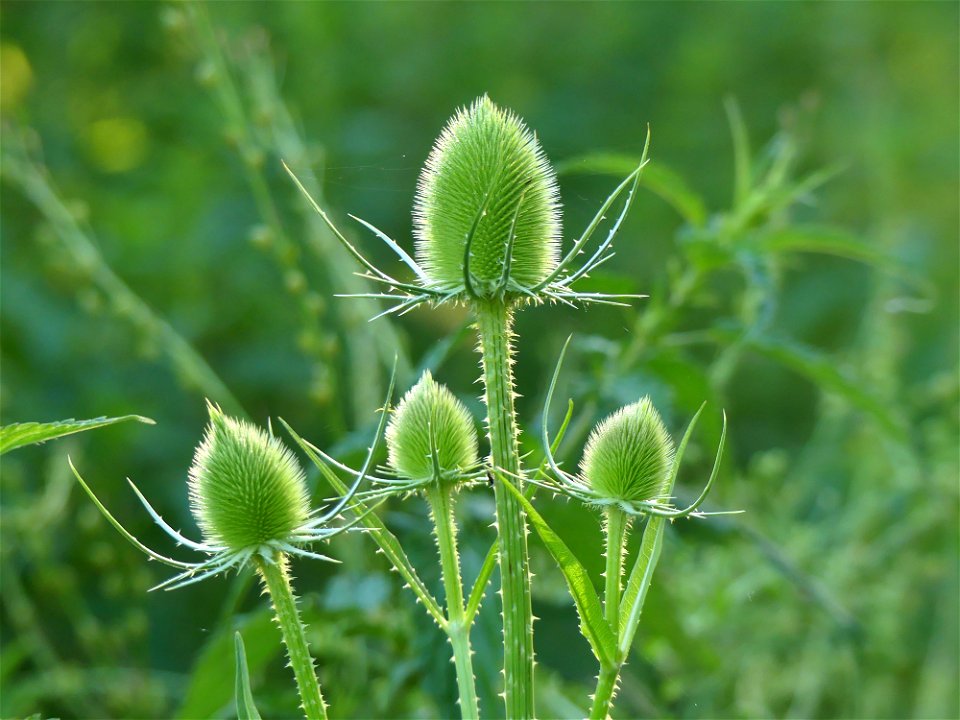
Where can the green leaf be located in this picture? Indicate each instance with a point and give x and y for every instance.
(822, 370)
(831, 241)
(480, 584)
(635, 593)
(658, 178)
(246, 708)
(742, 175)
(593, 625)
(30, 433)
(211, 686)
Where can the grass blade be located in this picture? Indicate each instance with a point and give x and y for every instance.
(246, 708)
(742, 175)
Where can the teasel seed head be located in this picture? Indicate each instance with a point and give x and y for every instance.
(629, 456)
(430, 419)
(246, 489)
(488, 175)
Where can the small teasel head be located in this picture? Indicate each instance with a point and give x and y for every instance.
(249, 497)
(629, 460)
(429, 431)
(246, 488)
(629, 456)
(487, 182)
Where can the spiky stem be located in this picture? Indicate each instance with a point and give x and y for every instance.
(494, 320)
(276, 577)
(606, 684)
(616, 531)
(458, 629)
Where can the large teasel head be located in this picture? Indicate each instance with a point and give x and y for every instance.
(431, 435)
(246, 488)
(487, 183)
(629, 456)
(487, 222)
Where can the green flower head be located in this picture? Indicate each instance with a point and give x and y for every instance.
(487, 178)
(629, 455)
(430, 420)
(246, 488)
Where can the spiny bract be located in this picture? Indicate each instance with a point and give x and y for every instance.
(629, 455)
(246, 488)
(430, 407)
(487, 157)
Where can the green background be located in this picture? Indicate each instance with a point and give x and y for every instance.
(147, 223)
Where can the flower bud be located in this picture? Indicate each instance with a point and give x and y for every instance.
(246, 488)
(486, 157)
(430, 408)
(629, 455)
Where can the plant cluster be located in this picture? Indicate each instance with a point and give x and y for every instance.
(488, 227)
(822, 318)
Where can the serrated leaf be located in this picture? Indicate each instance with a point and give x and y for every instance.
(246, 708)
(18, 435)
(658, 178)
(593, 624)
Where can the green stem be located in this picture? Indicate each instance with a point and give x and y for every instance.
(458, 627)
(494, 319)
(606, 684)
(276, 577)
(616, 531)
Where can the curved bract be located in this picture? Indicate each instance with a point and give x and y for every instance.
(246, 488)
(629, 455)
(487, 180)
(430, 431)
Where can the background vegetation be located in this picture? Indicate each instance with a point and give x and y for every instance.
(803, 274)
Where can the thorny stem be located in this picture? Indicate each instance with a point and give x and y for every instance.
(458, 627)
(276, 577)
(606, 684)
(616, 532)
(494, 318)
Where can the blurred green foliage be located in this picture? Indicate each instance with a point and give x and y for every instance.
(802, 272)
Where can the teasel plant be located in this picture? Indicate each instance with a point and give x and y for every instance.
(432, 451)
(248, 494)
(487, 224)
(627, 473)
